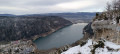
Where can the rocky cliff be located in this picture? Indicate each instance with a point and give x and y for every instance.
(88, 31)
(29, 27)
(104, 26)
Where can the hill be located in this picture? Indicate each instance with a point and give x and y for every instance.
(28, 27)
(74, 17)
(77, 17)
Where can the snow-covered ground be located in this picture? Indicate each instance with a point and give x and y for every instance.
(88, 47)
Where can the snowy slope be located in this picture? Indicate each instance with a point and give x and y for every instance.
(109, 48)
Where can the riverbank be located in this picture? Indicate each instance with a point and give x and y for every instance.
(23, 45)
(61, 49)
(48, 33)
(19, 46)
(64, 36)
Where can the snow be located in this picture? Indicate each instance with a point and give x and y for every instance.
(113, 22)
(77, 49)
(112, 45)
(86, 49)
(73, 50)
(105, 51)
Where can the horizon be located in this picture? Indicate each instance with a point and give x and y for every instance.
(51, 13)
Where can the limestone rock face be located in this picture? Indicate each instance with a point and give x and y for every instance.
(104, 27)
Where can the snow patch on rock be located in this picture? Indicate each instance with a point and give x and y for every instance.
(88, 47)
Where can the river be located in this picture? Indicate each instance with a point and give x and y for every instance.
(64, 36)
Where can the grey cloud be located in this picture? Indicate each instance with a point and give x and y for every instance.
(45, 6)
(32, 2)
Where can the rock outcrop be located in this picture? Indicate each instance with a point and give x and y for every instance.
(88, 31)
(104, 27)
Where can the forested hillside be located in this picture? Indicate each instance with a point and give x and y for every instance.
(26, 27)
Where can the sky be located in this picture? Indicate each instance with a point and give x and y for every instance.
(20, 7)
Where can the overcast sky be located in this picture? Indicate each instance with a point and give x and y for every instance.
(50, 6)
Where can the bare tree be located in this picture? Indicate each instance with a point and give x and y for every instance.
(116, 4)
(108, 7)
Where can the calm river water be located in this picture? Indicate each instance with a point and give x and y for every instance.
(64, 36)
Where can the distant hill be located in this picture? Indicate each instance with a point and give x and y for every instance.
(7, 15)
(73, 17)
(66, 15)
